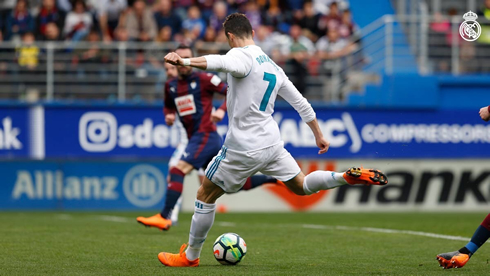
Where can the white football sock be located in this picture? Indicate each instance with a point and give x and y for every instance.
(322, 180)
(202, 220)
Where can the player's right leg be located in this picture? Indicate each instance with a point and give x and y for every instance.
(284, 164)
(458, 259)
(202, 221)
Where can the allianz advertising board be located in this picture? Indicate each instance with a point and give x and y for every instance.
(142, 132)
(82, 185)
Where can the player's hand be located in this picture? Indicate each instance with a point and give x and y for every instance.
(173, 59)
(484, 114)
(218, 115)
(323, 144)
(170, 119)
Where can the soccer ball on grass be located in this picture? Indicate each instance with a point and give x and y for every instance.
(229, 249)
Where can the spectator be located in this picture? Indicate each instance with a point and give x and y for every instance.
(276, 18)
(194, 25)
(93, 54)
(51, 33)
(332, 20)
(253, 14)
(321, 6)
(206, 7)
(47, 14)
(299, 52)
(140, 23)
(108, 13)
(28, 53)
(265, 39)
(165, 17)
(309, 22)
(332, 46)
(207, 44)
(164, 35)
(295, 5)
(121, 34)
(78, 22)
(220, 11)
(6, 6)
(19, 21)
(485, 10)
(65, 6)
(347, 26)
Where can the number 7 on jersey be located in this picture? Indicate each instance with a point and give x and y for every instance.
(271, 78)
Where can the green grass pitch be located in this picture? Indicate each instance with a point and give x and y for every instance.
(96, 243)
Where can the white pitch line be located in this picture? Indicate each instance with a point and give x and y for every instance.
(226, 224)
(114, 219)
(385, 230)
(64, 217)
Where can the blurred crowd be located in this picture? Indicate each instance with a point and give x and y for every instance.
(291, 31)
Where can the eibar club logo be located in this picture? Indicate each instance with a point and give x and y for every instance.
(470, 30)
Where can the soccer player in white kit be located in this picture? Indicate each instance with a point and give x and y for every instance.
(253, 142)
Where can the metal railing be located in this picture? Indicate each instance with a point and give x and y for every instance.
(101, 71)
(420, 44)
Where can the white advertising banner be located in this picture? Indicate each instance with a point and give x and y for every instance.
(414, 185)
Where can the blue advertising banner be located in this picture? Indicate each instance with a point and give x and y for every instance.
(14, 132)
(141, 132)
(82, 185)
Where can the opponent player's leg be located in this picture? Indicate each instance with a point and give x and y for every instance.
(157, 220)
(174, 191)
(174, 215)
(257, 181)
(202, 221)
(458, 259)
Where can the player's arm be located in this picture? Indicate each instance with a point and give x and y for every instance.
(235, 62)
(289, 92)
(485, 113)
(169, 108)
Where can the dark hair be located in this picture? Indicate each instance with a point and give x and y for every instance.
(238, 24)
(184, 47)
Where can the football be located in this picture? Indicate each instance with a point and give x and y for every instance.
(229, 249)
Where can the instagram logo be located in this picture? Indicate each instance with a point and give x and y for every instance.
(97, 131)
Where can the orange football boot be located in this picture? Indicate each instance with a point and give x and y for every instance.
(177, 260)
(454, 259)
(365, 176)
(155, 221)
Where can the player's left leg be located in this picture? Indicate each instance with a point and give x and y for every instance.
(227, 172)
(202, 221)
(458, 259)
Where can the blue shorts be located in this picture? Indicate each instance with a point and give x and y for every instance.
(201, 149)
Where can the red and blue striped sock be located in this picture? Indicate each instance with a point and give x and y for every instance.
(256, 181)
(480, 236)
(174, 190)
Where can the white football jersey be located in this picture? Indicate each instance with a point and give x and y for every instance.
(254, 81)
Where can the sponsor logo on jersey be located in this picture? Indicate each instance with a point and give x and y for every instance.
(185, 105)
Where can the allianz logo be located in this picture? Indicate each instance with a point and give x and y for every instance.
(143, 186)
(101, 132)
(8, 136)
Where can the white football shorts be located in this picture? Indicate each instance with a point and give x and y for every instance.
(230, 169)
